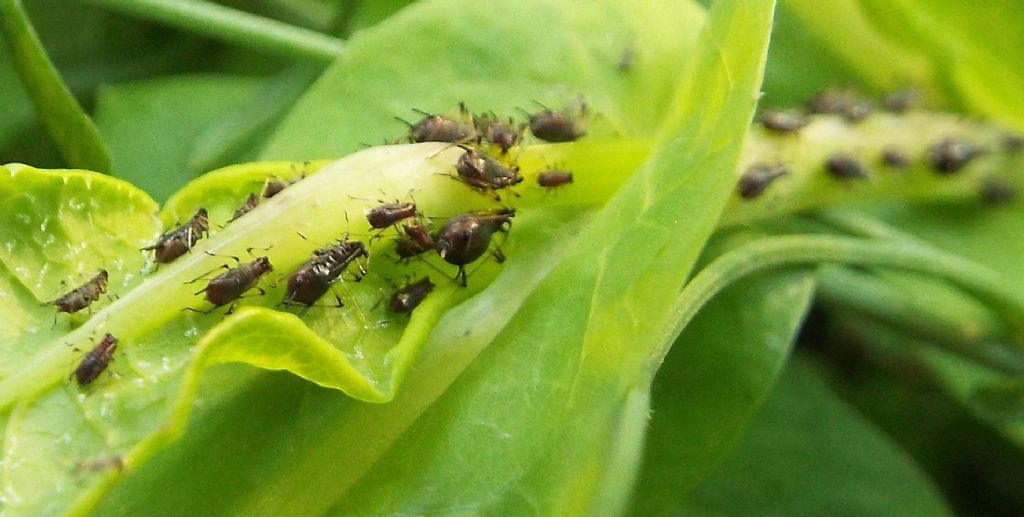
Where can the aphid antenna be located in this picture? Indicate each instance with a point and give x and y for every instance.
(206, 274)
(406, 122)
(250, 248)
(543, 106)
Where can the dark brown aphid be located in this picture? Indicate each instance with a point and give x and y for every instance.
(387, 214)
(179, 241)
(251, 201)
(894, 158)
(998, 192)
(230, 285)
(554, 178)
(951, 155)
(96, 360)
(437, 128)
(902, 101)
(83, 296)
(557, 127)
(758, 177)
(411, 295)
(845, 167)
(782, 121)
(841, 101)
(1013, 143)
(314, 277)
(480, 171)
(416, 242)
(503, 134)
(466, 237)
(274, 187)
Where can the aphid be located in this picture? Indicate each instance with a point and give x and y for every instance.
(951, 155)
(274, 187)
(177, 242)
(997, 192)
(418, 234)
(902, 101)
(95, 361)
(251, 201)
(387, 214)
(841, 101)
(845, 167)
(227, 287)
(82, 296)
(625, 64)
(758, 177)
(411, 295)
(466, 237)
(503, 134)
(782, 121)
(557, 127)
(436, 128)
(314, 277)
(892, 157)
(1013, 143)
(554, 178)
(416, 242)
(99, 464)
(480, 171)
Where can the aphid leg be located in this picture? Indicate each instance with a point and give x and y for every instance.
(250, 248)
(232, 257)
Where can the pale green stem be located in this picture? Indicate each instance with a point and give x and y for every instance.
(808, 250)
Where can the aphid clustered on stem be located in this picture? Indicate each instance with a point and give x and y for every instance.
(486, 165)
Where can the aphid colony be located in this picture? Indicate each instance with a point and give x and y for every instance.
(461, 240)
(946, 156)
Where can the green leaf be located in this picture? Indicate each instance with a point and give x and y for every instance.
(153, 127)
(713, 380)
(311, 481)
(494, 59)
(70, 128)
(806, 453)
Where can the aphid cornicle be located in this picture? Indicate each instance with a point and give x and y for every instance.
(95, 361)
(950, 155)
(758, 177)
(466, 237)
(554, 178)
(558, 127)
(82, 296)
(845, 167)
(251, 201)
(782, 121)
(480, 171)
(314, 277)
(387, 214)
(180, 240)
(230, 285)
(411, 295)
